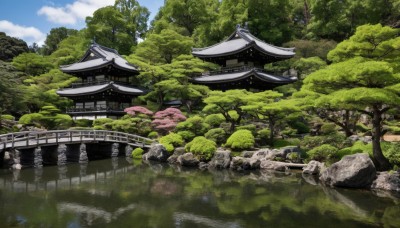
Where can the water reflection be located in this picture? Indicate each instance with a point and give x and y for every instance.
(125, 193)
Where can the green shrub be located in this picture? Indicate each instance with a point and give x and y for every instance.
(186, 135)
(103, 124)
(328, 128)
(357, 147)
(203, 148)
(360, 127)
(171, 141)
(30, 119)
(214, 120)
(217, 135)
(137, 153)
(7, 117)
(300, 127)
(393, 154)
(194, 124)
(288, 131)
(323, 153)
(240, 140)
(153, 135)
(279, 143)
(250, 127)
(337, 140)
(83, 123)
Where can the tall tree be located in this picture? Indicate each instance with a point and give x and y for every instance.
(54, 38)
(109, 27)
(10, 95)
(363, 78)
(135, 15)
(11, 47)
(32, 64)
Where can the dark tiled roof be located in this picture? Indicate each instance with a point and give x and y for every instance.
(98, 56)
(88, 90)
(239, 41)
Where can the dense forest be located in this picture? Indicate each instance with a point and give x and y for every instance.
(347, 63)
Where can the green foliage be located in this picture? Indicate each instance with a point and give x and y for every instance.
(357, 147)
(203, 148)
(153, 135)
(217, 135)
(328, 128)
(30, 119)
(186, 135)
(250, 127)
(323, 153)
(393, 154)
(336, 140)
(103, 124)
(83, 123)
(193, 124)
(11, 47)
(300, 126)
(32, 64)
(312, 53)
(214, 120)
(54, 38)
(49, 117)
(362, 128)
(137, 153)
(241, 140)
(171, 141)
(7, 117)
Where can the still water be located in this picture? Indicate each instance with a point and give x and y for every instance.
(122, 193)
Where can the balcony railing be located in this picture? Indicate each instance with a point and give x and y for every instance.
(227, 70)
(95, 82)
(95, 109)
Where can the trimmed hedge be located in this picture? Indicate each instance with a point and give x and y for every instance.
(241, 140)
(171, 141)
(203, 148)
(137, 153)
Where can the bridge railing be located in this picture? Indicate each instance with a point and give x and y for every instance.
(30, 138)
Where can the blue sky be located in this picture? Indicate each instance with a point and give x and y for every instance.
(31, 20)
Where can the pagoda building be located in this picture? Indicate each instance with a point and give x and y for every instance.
(104, 88)
(242, 58)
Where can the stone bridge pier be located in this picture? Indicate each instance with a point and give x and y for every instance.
(63, 154)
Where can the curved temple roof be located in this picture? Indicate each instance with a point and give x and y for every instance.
(98, 56)
(88, 90)
(239, 41)
(230, 77)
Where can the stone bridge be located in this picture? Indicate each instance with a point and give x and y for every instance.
(37, 148)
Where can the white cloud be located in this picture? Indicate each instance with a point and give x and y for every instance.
(72, 13)
(28, 34)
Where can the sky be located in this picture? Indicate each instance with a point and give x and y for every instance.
(32, 20)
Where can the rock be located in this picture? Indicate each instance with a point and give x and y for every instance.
(313, 168)
(272, 154)
(173, 159)
(254, 163)
(157, 152)
(260, 154)
(203, 165)
(239, 163)
(247, 154)
(7, 155)
(188, 160)
(17, 166)
(353, 171)
(272, 165)
(220, 160)
(311, 179)
(387, 181)
(289, 149)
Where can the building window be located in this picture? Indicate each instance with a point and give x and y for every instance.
(79, 105)
(231, 62)
(89, 104)
(101, 105)
(100, 78)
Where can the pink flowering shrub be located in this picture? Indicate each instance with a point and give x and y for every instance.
(166, 120)
(138, 110)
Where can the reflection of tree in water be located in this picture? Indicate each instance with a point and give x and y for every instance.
(159, 195)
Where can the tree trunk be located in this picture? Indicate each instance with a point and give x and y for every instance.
(380, 161)
(271, 133)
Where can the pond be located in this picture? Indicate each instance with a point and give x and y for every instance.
(121, 193)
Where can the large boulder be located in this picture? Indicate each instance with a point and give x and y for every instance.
(273, 165)
(240, 163)
(220, 160)
(387, 181)
(173, 159)
(188, 160)
(157, 152)
(313, 168)
(353, 171)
